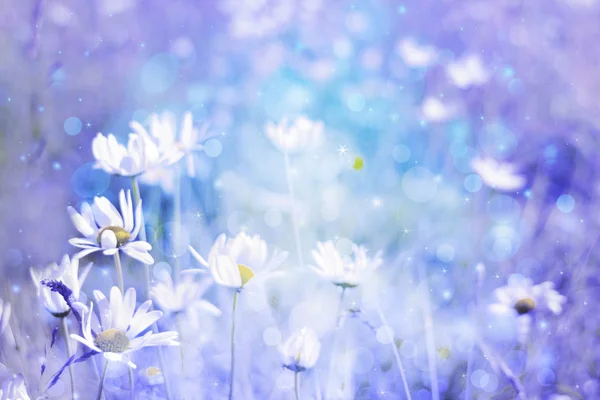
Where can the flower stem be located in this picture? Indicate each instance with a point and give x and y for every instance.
(176, 227)
(119, 272)
(334, 342)
(100, 390)
(161, 358)
(396, 356)
(498, 363)
(65, 329)
(293, 205)
(429, 338)
(296, 384)
(231, 373)
(131, 387)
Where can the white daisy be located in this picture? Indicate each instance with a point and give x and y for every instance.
(4, 315)
(344, 271)
(234, 261)
(107, 230)
(302, 135)
(522, 300)
(301, 351)
(501, 176)
(140, 155)
(117, 333)
(12, 387)
(186, 293)
(171, 146)
(68, 273)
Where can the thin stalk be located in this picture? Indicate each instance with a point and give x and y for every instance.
(65, 329)
(177, 227)
(161, 357)
(468, 379)
(119, 272)
(131, 387)
(498, 363)
(334, 342)
(296, 385)
(396, 356)
(231, 373)
(430, 339)
(101, 389)
(293, 205)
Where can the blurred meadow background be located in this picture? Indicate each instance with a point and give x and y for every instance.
(460, 139)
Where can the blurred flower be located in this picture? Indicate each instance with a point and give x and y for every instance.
(108, 231)
(140, 155)
(68, 273)
(301, 351)
(12, 387)
(173, 147)
(234, 261)
(522, 300)
(302, 135)
(415, 55)
(184, 294)
(468, 71)
(436, 111)
(343, 271)
(117, 333)
(501, 176)
(4, 315)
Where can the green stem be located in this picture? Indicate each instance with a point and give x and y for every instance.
(65, 329)
(296, 385)
(100, 390)
(231, 374)
(119, 272)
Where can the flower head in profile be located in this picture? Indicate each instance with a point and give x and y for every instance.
(344, 271)
(521, 299)
(68, 273)
(186, 293)
(140, 155)
(233, 262)
(501, 176)
(105, 229)
(118, 331)
(12, 386)
(173, 145)
(301, 351)
(302, 135)
(4, 315)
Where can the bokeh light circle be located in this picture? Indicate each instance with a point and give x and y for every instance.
(473, 183)
(272, 336)
(401, 153)
(159, 73)
(419, 184)
(385, 334)
(72, 126)
(88, 181)
(213, 148)
(565, 203)
(161, 271)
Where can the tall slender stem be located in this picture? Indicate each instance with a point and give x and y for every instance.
(231, 373)
(119, 272)
(396, 356)
(65, 329)
(131, 387)
(296, 385)
(498, 363)
(100, 390)
(177, 226)
(288, 176)
(334, 342)
(161, 358)
(429, 338)
(468, 378)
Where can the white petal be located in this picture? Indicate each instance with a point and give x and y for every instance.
(108, 239)
(81, 224)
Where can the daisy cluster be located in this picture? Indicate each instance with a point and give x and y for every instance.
(299, 199)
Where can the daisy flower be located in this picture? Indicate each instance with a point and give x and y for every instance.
(68, 273)
(522, 300)
(344, 271)
(234, 261)
(12, 387)
(4, 315)
(105, 229)
(172, 146)
(303, 134)
(186, 293)
(118, 331)
(501, 176)
(301, 351)
(140, 155)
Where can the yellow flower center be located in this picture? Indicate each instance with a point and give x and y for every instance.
(525, 305)
(246, 273)
(122, 235)
(112, 341)
(153, 371)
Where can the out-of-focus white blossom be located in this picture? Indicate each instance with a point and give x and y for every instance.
(301, 351)
(186, 293)
(68, 273)
(234, 261)
(140, 155)
(344, 271)
(468, 71)
(501, 176)
(436, 111)
(415, 55)
(302, 135)
(12, 386)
